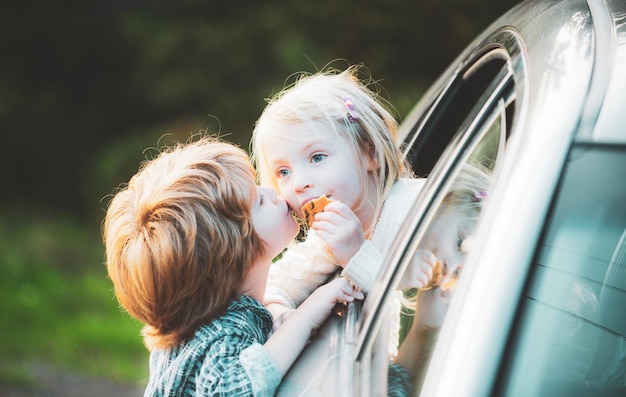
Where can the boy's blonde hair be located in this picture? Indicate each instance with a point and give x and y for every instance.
(349, 108)
(179, 238)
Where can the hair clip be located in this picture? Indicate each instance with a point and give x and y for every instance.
(350, 108)
(478, 196)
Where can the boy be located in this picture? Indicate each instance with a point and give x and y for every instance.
(189, 242)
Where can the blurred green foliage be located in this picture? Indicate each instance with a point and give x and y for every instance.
(80, 79)
(86, 86)
(57, 305)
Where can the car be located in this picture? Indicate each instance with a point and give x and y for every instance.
(540, 306)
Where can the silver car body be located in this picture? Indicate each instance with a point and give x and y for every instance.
(573, 57)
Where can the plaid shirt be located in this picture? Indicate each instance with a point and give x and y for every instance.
(398, 384)
(225, 358)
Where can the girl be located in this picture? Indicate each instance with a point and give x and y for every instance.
(330, 134)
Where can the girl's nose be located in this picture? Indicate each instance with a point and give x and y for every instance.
(301, 184)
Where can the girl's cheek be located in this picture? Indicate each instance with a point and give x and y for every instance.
(283, 187)
(292, 206)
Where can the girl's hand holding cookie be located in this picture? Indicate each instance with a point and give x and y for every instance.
(340, 228)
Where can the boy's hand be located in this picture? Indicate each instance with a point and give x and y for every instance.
(320, 303)
(342, 231)
(287, 342)
(420, 271)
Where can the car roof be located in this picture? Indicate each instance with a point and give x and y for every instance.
(571, 61)
(575, 53)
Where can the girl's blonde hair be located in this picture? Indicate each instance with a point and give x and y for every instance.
(348, 107)
(469, 190)
(179, 238)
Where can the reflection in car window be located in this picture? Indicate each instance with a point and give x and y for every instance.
(447, 240)
(571, 329)
(474, 123)
(465, 196)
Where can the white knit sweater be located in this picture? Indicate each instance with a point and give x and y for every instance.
(306, 265)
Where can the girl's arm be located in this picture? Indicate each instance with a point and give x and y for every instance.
(416, 349)
(302, 268)
(342, 232)
(364, 267)
(287, 342)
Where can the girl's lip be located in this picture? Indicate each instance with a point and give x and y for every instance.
(297, 210)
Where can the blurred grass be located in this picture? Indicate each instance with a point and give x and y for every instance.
(57, 305)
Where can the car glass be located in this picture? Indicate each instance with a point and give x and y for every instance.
(428, 137)
(488, 154)
(481, 109)
(570, 333)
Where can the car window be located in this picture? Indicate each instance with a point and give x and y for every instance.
(481, 82)
(570, 333)
(480, 110)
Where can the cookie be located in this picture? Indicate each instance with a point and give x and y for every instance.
(436, 275)
(313, 207)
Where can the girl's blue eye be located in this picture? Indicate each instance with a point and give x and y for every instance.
(316, 158)
(459, 242)
(282, 173)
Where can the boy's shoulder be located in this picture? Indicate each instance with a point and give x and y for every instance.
(245, 323)
(245, 315)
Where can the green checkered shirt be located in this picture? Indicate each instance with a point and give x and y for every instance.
(225, 358)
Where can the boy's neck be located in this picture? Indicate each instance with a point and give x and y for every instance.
(255, 281)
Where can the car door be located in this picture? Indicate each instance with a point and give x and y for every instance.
(541, 310)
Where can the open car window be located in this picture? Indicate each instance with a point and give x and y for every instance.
(482, 113)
